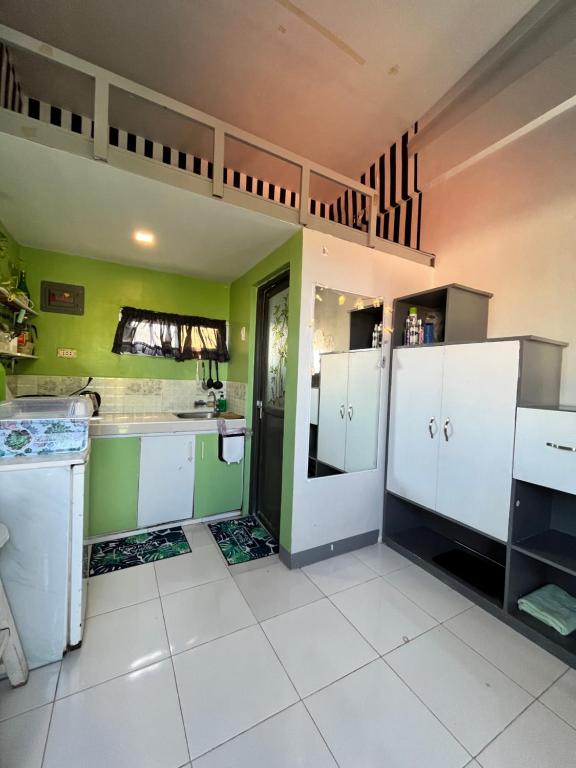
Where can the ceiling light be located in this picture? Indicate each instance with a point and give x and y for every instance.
(143, 237)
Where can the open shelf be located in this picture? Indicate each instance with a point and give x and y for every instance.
(14, 303)
(462, 555)
(538, 628)
(17, 356)
(554, 547)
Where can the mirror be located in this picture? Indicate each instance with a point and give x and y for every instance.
(346, 382)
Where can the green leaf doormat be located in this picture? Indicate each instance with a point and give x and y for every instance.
(141, 548)
(243, 539)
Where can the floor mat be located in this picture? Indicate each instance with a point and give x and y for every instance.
(134, 550)
(243, 539)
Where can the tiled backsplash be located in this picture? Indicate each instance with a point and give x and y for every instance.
(131, 395)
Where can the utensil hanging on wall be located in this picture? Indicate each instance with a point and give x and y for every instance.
(217, 384)
(210, 382)
(204, 385)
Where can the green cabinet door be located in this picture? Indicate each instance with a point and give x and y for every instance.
(114, 469)
(217, 486)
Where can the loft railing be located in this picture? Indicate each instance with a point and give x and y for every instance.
(104, 80)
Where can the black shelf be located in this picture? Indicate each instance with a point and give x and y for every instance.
(552, 547)
(537, 629)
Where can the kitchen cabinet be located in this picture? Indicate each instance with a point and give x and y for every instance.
(452, 425)
(166, 479)
(349, 409)
(218, 486)
(415, 424)
(113, 495)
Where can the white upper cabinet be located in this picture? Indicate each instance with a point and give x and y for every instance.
(166, 488)
(414, 433)
(364, 374)
(477, 434)
(332, 411)
(349, 409)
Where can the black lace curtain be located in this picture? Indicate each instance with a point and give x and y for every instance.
(180, 337)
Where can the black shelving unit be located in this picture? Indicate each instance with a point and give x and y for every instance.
(464, 311)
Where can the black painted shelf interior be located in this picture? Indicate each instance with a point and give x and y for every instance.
(551, 546)
(567, 642)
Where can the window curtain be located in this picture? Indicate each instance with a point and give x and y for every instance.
(180, 337)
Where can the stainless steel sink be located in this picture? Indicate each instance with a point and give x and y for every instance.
(198, 415)
(207, 415)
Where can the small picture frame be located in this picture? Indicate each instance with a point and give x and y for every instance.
(61, 297)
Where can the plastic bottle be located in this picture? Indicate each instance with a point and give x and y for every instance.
(221, 403)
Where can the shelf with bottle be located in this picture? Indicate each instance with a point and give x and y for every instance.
(16, 302)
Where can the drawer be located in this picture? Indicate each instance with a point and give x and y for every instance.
(542, 453)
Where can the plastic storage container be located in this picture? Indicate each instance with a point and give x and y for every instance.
(39, 425)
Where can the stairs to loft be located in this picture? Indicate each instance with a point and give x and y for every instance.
(223, 162)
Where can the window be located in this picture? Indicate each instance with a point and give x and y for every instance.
(180, 337)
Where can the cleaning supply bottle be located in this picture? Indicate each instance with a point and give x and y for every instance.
(221, 403)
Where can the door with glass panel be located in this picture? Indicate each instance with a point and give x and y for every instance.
(269, 400)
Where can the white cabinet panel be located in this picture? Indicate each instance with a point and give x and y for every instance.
(478, 416)
(166, 489)
(332, 411)
(413, 439)
(543, 454)
(362, 412)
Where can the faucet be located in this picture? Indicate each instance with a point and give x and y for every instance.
(205, 402)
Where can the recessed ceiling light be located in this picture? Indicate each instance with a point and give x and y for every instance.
(143, 237)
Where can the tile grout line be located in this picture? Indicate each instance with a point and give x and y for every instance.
(174, 673)
(51, 716)
(534, 696)
(434, 715)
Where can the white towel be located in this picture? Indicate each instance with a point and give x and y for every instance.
(231, 448)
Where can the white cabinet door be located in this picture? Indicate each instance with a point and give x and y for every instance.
(332, 411)
(166, 489)
(478, 416)
(414, 428)
(363, 409)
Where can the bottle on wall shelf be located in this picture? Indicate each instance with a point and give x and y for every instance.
(22, 287)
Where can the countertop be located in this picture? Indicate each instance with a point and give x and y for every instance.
(112, 424)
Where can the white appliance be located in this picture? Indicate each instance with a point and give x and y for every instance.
(349, 406)
(42, 502)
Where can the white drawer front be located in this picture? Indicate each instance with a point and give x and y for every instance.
(542, 455)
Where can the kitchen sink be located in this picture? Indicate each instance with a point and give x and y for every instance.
(207, 415)
(198, 415)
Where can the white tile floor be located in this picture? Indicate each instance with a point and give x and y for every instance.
(364, 660)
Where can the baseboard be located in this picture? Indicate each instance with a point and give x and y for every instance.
(325, 551)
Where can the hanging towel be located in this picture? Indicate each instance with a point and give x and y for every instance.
(552, 605)
(231, 448)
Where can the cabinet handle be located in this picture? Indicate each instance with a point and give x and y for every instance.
(202, 450)
(191, 451)
(342, 410)
(431, 423)
(561, 447)
(350, 412)
(446, 435)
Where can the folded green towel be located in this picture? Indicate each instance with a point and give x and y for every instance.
(552, 605)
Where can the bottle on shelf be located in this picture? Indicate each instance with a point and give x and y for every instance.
(411, 332)
(22, 287)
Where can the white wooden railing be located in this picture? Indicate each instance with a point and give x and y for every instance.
(104, 80)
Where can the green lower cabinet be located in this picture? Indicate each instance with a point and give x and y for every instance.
(114, 471)
(217, 486)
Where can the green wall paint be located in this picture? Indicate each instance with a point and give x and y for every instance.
(108, 287)
(243, 293)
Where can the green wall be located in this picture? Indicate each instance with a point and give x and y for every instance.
(108, 287)
(243, 293)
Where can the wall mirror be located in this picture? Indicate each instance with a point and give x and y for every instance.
(345, 380)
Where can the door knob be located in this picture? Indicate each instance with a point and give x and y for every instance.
(446, 425)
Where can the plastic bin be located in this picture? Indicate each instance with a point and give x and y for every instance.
(39, 425)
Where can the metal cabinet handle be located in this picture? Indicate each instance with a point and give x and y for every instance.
(191, 451)
(259, 405)
(561, 447)
(446, 435)
(431, 424)
(342, 410)
(350, 412)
